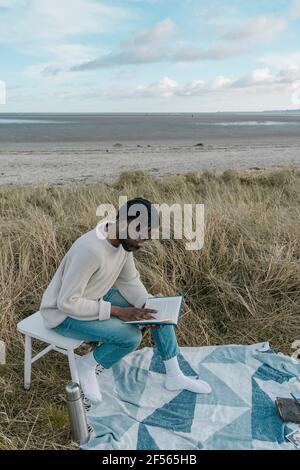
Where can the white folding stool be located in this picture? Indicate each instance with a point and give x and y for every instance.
(33, 327)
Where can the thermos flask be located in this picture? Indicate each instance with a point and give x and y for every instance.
(79, 427)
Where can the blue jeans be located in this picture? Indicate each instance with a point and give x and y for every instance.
(117, 338)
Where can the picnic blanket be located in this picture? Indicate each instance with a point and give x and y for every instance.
(137, 412)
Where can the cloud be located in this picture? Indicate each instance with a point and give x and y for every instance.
(258, 79)
(164, 88)
(261, 82)
(136, 56)
(43, 28)
(149, 55)
(148, 36)
(220, 82)
(263, 28)
(8, 3)
(289, 75)
(50, 71)
(293, 12)
(142, 47)
(124, 75)
(65, 55)
(264, 77)
(146, 46)
(167, 88)
(44, 20)
(277, 61)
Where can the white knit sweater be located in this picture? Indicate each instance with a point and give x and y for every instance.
(88, 270)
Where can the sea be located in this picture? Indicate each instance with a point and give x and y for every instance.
(128, 127)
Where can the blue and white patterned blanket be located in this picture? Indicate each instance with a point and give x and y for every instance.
(137, 412)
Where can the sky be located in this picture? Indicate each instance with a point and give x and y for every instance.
(149, 55)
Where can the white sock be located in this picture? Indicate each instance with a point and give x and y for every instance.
(172, 367)
(86, 366)
(176, 380)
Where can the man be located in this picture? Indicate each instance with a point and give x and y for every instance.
(80, 301)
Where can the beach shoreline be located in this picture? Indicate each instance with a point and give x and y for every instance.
(86, 162)
(74, 148)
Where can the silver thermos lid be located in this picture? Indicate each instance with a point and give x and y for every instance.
(72, 391)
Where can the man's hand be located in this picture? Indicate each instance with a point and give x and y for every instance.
(151, 326)
(133, 313)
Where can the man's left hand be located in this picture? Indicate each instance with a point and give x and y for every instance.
(152, 325)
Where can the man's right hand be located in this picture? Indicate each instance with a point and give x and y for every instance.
(133, 313)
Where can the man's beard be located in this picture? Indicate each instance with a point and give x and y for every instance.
(128, 246)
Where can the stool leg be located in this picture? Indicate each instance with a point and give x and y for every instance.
(73, 367)
(27, 363)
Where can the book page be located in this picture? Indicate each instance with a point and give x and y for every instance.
(168, 309)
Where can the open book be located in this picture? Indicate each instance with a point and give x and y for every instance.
(168, 310)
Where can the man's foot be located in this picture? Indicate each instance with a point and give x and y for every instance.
(181, 382)
(86, 366)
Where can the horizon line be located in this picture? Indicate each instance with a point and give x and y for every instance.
(151, 112)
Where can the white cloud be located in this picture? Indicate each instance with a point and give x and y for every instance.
(150, 55)
(293, 11)
(45, 20)
(167, 88)
(71, 53)
(124, 75)
(259, 80)
(194, 88)
(263, 28)
(147, 36)
(264, 77)
(47, 28)
(220, 82)
(286, 60)
(288, 75)
(235, 40)
(257, 77)
(260, 89)
(8, 3)
(140, 48)
(65, 55)
(164, 88)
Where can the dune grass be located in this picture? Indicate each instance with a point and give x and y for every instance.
(242, 287)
